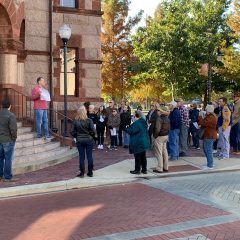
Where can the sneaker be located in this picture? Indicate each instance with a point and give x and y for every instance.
(99, 147)
(207, 168)
(215, 151)
(49, 137)
(144, 172)
(222, 158)
(197, 148)
(111, 148)
(115, 149)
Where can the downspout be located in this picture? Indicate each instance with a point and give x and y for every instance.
(51, 60)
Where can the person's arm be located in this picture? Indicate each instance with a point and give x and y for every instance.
(157, 128)
(226, 118)
(133, 129)
(36, 93)
(92, 129)
(207, 122)
(74, 130)
(13, 127)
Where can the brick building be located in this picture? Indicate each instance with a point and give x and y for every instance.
(30, 47)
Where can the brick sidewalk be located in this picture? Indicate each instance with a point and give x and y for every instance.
(69, 169)
(87, 213)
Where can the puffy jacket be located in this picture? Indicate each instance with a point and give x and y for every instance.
(83, 130)
(161, 126)
(8, 126)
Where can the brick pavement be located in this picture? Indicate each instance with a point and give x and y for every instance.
(69, 169)
(94, 212)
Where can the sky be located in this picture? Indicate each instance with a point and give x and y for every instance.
(148, 6)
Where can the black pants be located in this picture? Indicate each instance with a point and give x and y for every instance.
(120, 134)
(113, 141)
(100, 134)
(140, 161)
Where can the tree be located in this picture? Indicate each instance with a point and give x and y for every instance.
(116, 47)
(183, 35)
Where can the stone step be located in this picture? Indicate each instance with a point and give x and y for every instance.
(36, 149)
(25, 136)
(21, 168)
(31, 142)
(19, 124)
(40, 156)
(23, 130)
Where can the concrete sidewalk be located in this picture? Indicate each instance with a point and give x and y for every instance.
(119, 174)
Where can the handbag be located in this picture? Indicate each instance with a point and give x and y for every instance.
(201, 132)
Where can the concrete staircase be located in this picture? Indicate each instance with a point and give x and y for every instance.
(32, 154)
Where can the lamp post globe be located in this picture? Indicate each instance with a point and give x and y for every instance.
(65, 34)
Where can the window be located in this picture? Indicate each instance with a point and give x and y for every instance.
(71, 72)
(68, 3)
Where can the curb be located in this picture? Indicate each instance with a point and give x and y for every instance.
(76, 183)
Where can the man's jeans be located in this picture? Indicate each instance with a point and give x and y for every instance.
(85, 148)
(208, 150)
(6, 155)
(183, 139)
(41, 120)
(173, 138)
(223, 141)
(125, 138)
(235, 137)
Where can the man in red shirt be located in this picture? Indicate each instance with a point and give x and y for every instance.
(40, 108)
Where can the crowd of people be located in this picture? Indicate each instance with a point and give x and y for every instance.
(168, 129)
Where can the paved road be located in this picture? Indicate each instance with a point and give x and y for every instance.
(203, 207)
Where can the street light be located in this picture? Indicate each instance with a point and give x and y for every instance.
(65, 34)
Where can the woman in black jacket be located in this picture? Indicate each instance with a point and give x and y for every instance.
(101, 124)
(84, 132)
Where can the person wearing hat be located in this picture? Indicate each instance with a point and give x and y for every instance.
(160, 137)
(173, 136)
(235, 132)
(209, 124)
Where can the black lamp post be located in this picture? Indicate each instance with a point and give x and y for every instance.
(65, 34)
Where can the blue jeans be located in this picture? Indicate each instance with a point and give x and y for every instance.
(235, 137)
(83, 149)
(173, 139)
(41, 119)
(223, 141)
(125, 138)
(208, 150)
(6, 156)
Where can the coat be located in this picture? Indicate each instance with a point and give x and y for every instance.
(139, 138)
(83, 130)
(209, 123)
(126, 119)
(114, 121)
